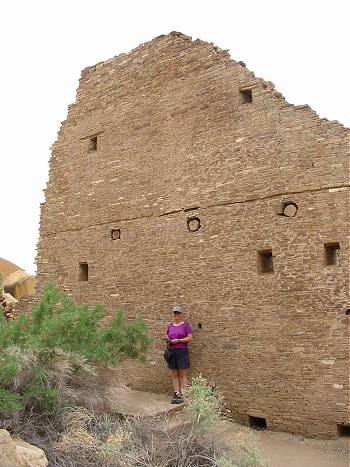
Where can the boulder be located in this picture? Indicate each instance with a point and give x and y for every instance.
(20, 284)
(7, 268)
(17, 453)
(8, 298)
(9, 457)
(31, 455)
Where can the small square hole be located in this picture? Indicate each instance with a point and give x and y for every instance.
(115, 234)
(265, 262)
(344, 430)
(331, 251)
(246, 96)
(83, 272)
(93, 143)
(258, 423)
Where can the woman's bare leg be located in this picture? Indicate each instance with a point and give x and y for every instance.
(183, 380)
(176, 380)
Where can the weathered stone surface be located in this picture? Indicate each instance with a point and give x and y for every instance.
(32, 456)
(176, 129)
(20, 284)
(14, 452)
(7, 268)
(9, 457)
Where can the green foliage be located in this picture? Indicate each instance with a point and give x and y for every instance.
(203, 402)
(39, 353)
(40, 393)
(9, 366)
(204, 405)
(13, 332)
(9, 402)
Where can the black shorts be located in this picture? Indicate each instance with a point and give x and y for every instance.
(180, 359)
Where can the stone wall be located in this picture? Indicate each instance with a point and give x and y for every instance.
(176, 135)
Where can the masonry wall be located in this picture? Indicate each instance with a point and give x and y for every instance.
(175, 140)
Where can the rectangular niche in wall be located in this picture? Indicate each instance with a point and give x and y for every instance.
(83, 272)
(331, 252)
(245, 96)
(93, 143)
(258, 423)
(265, 262)
(344, 430)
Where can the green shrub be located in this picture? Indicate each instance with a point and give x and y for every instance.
(39, 392)
(40, 353)
(9, 367)
(9, 401)
(203, 403)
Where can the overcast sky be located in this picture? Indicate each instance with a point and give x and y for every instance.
(302, 46)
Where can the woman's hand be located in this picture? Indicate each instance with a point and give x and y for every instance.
(175, 341)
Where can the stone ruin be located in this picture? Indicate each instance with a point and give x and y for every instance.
(180, 177)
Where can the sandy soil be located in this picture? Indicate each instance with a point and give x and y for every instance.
(286, 450)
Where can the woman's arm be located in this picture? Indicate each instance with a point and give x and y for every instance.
(184, 340)
(167, 334)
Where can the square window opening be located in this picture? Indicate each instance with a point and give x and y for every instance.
(83, 272)
(258, 423)
(331, 251)
(93, 143)
(265, 262)
(246, 96)
(344, 430)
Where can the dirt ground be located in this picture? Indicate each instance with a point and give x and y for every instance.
(286, 450)
(279, 449)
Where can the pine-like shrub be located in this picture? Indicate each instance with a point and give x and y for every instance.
(41, 353)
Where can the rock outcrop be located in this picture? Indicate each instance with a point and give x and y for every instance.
(20, 284)
(14, 452)
(7, 268)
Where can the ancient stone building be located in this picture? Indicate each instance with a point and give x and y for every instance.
(180, 177)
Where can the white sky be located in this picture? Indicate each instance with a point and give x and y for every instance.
(302, 46)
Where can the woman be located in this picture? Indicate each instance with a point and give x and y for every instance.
(179, 334)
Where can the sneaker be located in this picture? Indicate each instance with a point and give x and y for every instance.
(180, 396)
(177, 398)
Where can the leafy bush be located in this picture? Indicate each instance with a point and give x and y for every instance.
(58, 345)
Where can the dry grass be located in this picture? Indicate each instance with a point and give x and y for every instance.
(80, 437)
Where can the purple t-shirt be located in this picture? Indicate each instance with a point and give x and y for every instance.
(178, 332)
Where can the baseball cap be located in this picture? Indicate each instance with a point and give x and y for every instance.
(178, 309)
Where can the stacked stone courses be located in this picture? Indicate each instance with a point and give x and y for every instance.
(170, 183)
